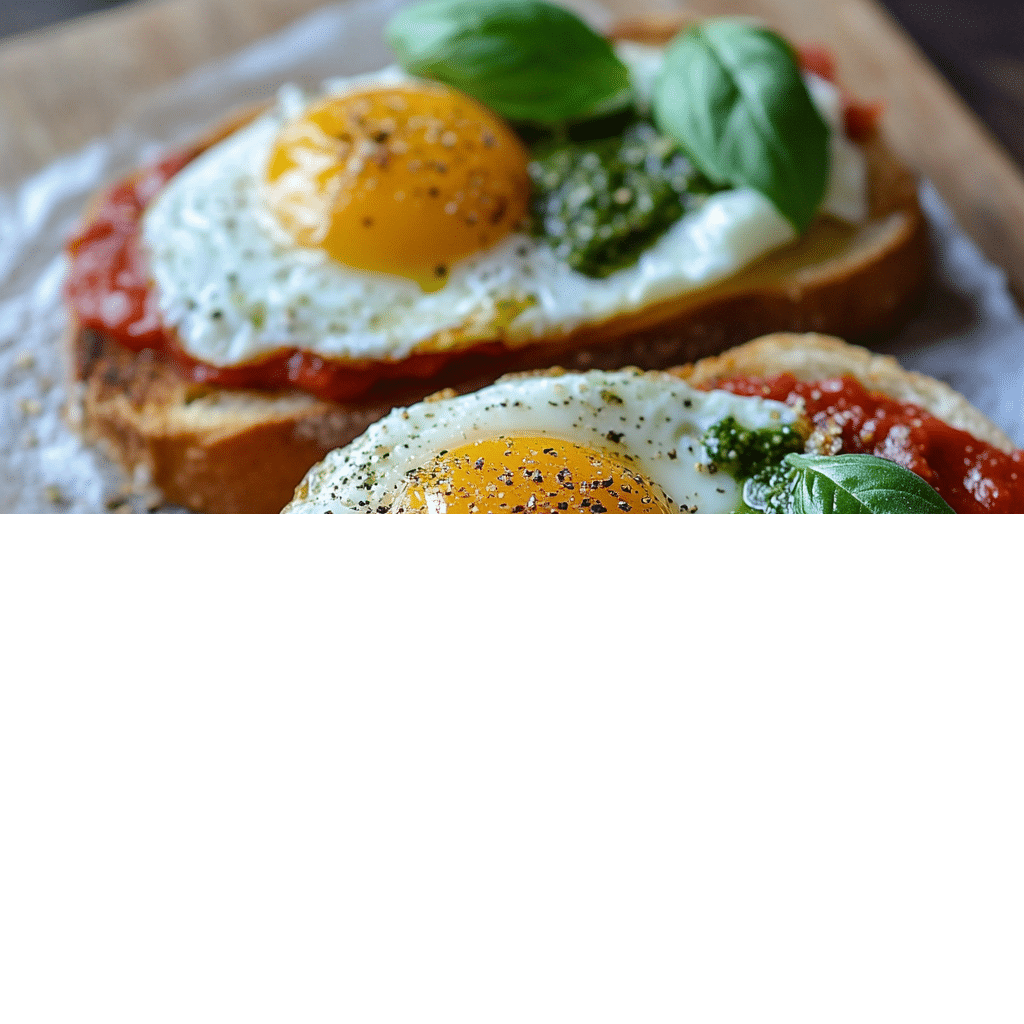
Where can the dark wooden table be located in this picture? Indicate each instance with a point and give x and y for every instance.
(978, 45)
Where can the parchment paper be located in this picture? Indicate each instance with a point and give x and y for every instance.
(968, 333)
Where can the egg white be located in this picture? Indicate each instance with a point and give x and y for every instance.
(235, 287)
(652, 420)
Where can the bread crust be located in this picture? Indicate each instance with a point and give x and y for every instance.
(206, 448)
(240, 450)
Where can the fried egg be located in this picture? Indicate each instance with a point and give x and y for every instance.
(597, 442)
(385, 217)
(403, 180)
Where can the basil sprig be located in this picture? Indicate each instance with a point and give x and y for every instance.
(732, 95)
(524, 59)
(843, 484)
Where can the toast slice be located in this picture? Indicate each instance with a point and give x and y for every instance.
(240, 450)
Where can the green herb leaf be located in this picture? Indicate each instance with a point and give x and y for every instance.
(524, 59)
(732, 95)
(843, 484)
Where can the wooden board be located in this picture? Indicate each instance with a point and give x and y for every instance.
(61, 87)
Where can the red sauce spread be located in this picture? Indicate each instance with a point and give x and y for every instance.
(108, 286)
(859, 118)
(334, 380)
(971, 476)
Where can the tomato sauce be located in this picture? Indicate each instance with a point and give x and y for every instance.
(333, 380)
(859, 118)
(108, 285)
(969, 474)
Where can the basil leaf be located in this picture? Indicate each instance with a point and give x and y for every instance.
(524, 59)
(732, 95)
(842, 484)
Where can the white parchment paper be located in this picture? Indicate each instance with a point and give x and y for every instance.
(968, 333)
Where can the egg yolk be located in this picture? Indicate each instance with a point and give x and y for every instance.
(529, 474)
(403, 180)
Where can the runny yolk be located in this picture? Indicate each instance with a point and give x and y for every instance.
(529, 474)
(403, 180)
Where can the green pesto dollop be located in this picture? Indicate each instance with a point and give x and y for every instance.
(744, 453)
(600, 203)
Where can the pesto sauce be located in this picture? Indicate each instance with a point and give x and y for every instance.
(746, 453)
(600, 203)
(769, 490)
